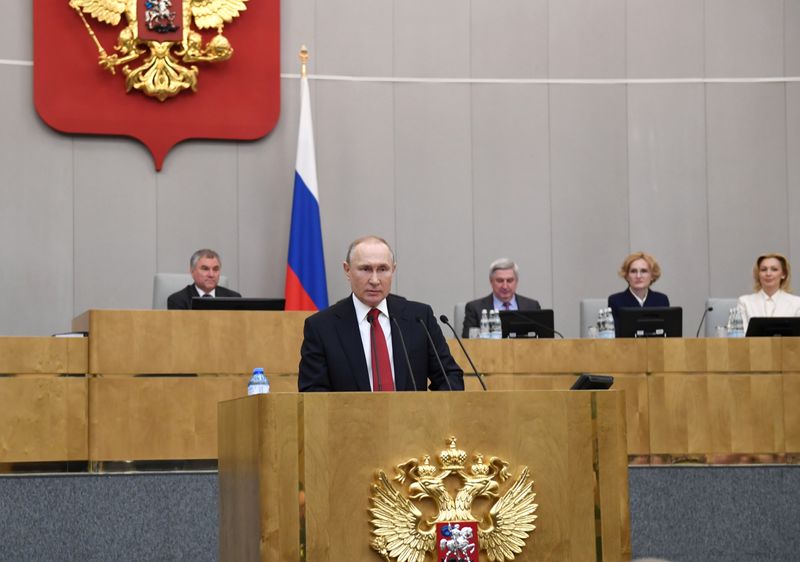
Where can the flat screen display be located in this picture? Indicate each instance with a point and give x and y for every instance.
(237, 303)
(762, 327)
(652, 322)
(527, 323)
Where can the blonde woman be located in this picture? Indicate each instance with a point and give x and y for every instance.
(772, 297)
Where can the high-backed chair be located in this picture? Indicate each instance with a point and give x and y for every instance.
(164, 284)
(458, 317)
(589, 309)
(718, 316)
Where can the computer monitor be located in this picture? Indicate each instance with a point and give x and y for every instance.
(527, 323)
(237, 303)
(653, 322)
(592, 382)
(761, 327)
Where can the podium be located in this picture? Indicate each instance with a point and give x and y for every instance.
(296, 470)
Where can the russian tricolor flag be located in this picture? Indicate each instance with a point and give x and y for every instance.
(306, 288)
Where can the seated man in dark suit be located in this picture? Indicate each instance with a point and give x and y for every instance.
(503, 277)
(357, 344)
(205, 267)
(640, 270)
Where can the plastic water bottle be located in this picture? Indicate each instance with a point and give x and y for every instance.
(612, 329)
(485, 333)
(736, 324)
(729, 325)
(606, 324)
(258, 383)
(601, 321)
(495, 326)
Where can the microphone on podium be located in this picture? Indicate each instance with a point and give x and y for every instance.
(703, 319)
(446, 322)
(405, 352)
(435, 352)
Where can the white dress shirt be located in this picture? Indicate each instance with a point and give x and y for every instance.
(201, 292)
(760, 304)
(364, 328)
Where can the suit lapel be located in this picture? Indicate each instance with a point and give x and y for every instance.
(350, 338)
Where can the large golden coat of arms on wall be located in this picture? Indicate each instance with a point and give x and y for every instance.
(441, 512)
(156, 48)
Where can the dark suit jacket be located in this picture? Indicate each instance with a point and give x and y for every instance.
(182, 300)
(332, 355)
(472, 313)
(625, 299)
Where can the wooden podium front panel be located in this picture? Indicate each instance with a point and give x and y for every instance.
(43, 418)
(350, 436)
(157, 418)
(260, 499)
(637, 411)
(698, 414)
(192, 341)
(612, 490)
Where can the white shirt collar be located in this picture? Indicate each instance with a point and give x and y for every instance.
(362, 309)
(641, 301)
(498, 304)
(200, 291)
(776, 295)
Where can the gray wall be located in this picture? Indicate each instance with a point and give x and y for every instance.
(527, 151)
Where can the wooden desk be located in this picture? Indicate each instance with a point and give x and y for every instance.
(685, 398)
(200, 342)
(158, 375)
(690, 398)
(43, 414)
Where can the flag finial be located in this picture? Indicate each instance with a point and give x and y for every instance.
(303, 61)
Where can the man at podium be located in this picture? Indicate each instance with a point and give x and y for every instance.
(373, 341)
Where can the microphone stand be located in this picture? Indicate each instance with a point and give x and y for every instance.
(446, 322)
(435, 352)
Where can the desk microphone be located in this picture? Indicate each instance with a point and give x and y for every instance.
(444, 319)
(435, 351)
(377, 373)
(535, 323)
(703, 319)
(405, 352)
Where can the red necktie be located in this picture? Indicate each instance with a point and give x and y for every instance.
(381, 366)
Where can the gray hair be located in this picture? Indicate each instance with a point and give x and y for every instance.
(503, 263)
(203, 253)
(368, 238)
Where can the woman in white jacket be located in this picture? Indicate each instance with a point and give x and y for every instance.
(772, 296)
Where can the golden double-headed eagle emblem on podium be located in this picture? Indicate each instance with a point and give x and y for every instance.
(500, 525)
(158, 45)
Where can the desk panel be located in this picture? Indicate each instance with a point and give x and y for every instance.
(42, 355)
(157, 418)
(43, 419)
(186, 341)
